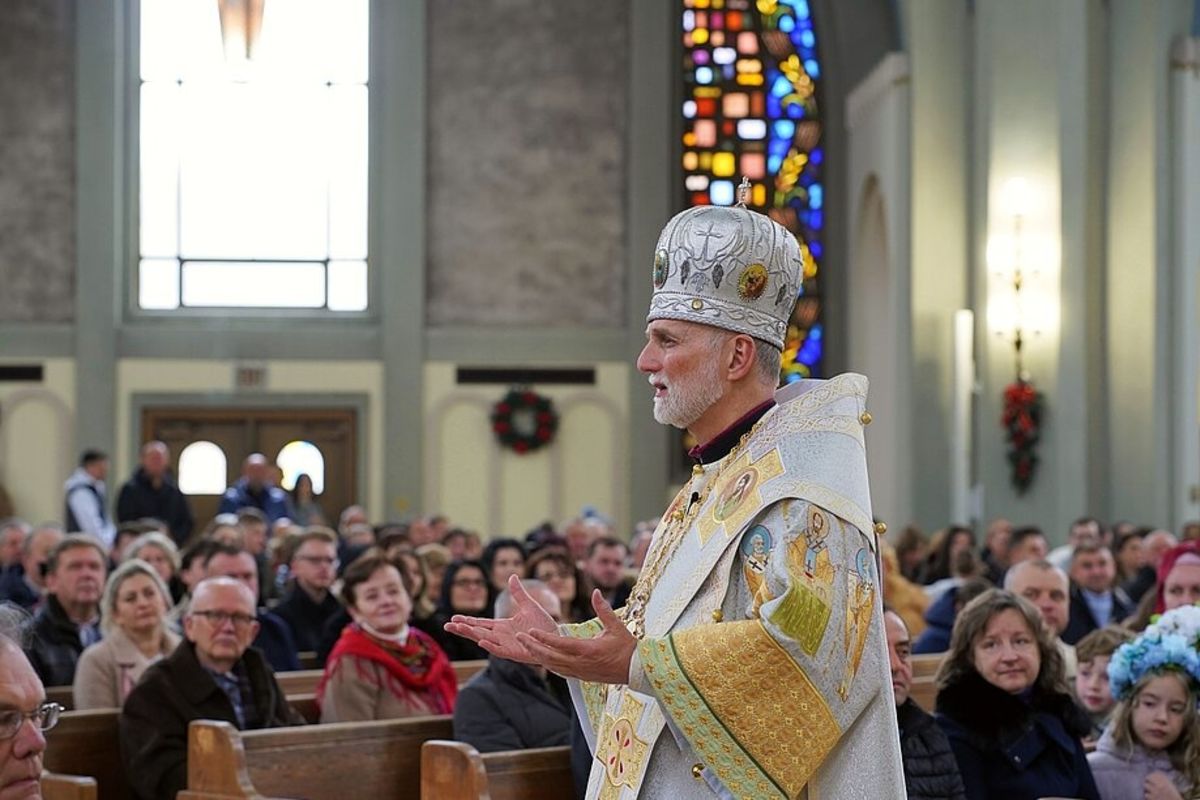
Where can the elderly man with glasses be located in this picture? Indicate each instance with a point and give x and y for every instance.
(24, 716)
(214, 674)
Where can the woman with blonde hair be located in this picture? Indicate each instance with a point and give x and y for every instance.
(133, 616)
(161, 553)
(1004, 704)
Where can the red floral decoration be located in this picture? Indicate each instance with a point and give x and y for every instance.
(524, 421)
(1022, 421)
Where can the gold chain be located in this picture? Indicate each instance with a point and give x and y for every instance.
(675, 532)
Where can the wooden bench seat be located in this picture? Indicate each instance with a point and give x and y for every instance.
(924, 692)
(927, 664)
(85, 744)
(67, 787)
(457, 771)
(317, 762)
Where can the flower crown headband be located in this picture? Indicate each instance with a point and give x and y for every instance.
(1170, 643)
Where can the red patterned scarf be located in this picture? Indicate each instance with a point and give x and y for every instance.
(418, 665)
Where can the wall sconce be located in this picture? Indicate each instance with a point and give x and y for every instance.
(1021, 302)
(241, 24)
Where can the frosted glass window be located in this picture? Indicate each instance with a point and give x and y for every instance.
(302, 457)
(253, 174)
(236, 284)
(202, 467)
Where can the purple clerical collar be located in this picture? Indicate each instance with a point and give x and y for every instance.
(719, 446)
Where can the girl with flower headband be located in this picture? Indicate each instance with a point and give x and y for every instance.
(1152, 747)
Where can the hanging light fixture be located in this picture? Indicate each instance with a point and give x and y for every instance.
(241, 24)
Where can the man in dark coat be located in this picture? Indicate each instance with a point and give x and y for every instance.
(930, 771)
(1095, 599)
(214, 674)
(152, 493)
(69, 619)
(511, 706)
(309, 604)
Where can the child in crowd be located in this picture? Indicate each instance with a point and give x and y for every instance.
(1092, 690)
(1151, 749)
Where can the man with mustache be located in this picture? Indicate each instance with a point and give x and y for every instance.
(708, 683)
(69, 619)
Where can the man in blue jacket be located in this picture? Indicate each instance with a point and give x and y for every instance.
(255, 490)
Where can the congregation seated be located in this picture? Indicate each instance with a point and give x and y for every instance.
(1149, 748)
(1155, 545)
(255, 490)
(213, 674)
(69, 619)
(464, 591)
(24, 715)
(554, 568)
(1003, 703)
(157, 550)
(930, 770)
(309, 603)
(381, 667)
(435, 560)
(604, 569)
(512, 706)
(944, 547)
(1095, 600)
(501, 558)
(1092, 686)
(133, 616)
(939, 619)
(274, 638)
(1047, 589)
(24, 582)
(902, 595)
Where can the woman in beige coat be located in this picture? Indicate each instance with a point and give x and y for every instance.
(133, 614)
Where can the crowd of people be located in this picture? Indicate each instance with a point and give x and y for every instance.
(1055, 678)
(140, 612)
(1072, 672)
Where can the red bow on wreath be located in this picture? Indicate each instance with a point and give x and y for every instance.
(1022, 421)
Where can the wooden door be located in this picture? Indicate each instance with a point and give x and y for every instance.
(238, 432)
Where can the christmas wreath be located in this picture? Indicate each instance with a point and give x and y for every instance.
(524, 420)
(1022, 421)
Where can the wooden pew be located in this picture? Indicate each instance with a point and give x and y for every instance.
(67, 787)
(63, 695)
(924, 693)
(308, 660)
(465, 670)
(457, 771)
(317, 762)
(927, 664)
(85, 744)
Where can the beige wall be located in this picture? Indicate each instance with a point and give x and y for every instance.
(192, 379)
(37, 450)
(497, 492)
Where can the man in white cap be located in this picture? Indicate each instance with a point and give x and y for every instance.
(751, 658)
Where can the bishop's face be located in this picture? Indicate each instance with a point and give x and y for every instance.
(680, 360)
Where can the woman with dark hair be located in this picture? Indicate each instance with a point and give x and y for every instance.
(305, 508)
(1004, 704)
(950, 543)
(380, 667)
(502, 558)
(465, 590)
(1127, 552)
(555, 568)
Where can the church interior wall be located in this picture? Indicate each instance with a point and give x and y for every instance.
(37, 448)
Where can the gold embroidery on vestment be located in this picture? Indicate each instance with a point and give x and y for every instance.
(619, 750)
(739, 497)
(754, 687)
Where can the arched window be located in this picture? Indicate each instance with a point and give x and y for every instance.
(302, 457)
(202, 468)
(750, 77)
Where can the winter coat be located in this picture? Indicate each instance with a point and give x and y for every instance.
(1120, 774)
(508, 707)
(271, 500)
(109, 669)
(1081, 622)
(15, 589)
(940, 622)
(930, 771)
(305, 617)
(139, 499)
(154, 722)
(56, 645)
(1013, 748)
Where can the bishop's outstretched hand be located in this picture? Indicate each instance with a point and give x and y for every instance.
(499, 636)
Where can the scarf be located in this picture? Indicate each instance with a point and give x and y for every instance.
(418, 665)
(1188, 551)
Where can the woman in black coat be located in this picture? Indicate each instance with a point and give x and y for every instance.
(1004, 705)
(465, 590)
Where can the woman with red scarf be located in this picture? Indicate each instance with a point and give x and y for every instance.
(381, 668)
(1178, 577)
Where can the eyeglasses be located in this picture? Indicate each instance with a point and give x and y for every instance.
(219, 618)
(555, 575)
(44, 717)
(469, 582)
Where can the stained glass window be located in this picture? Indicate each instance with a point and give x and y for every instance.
(750, 75)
